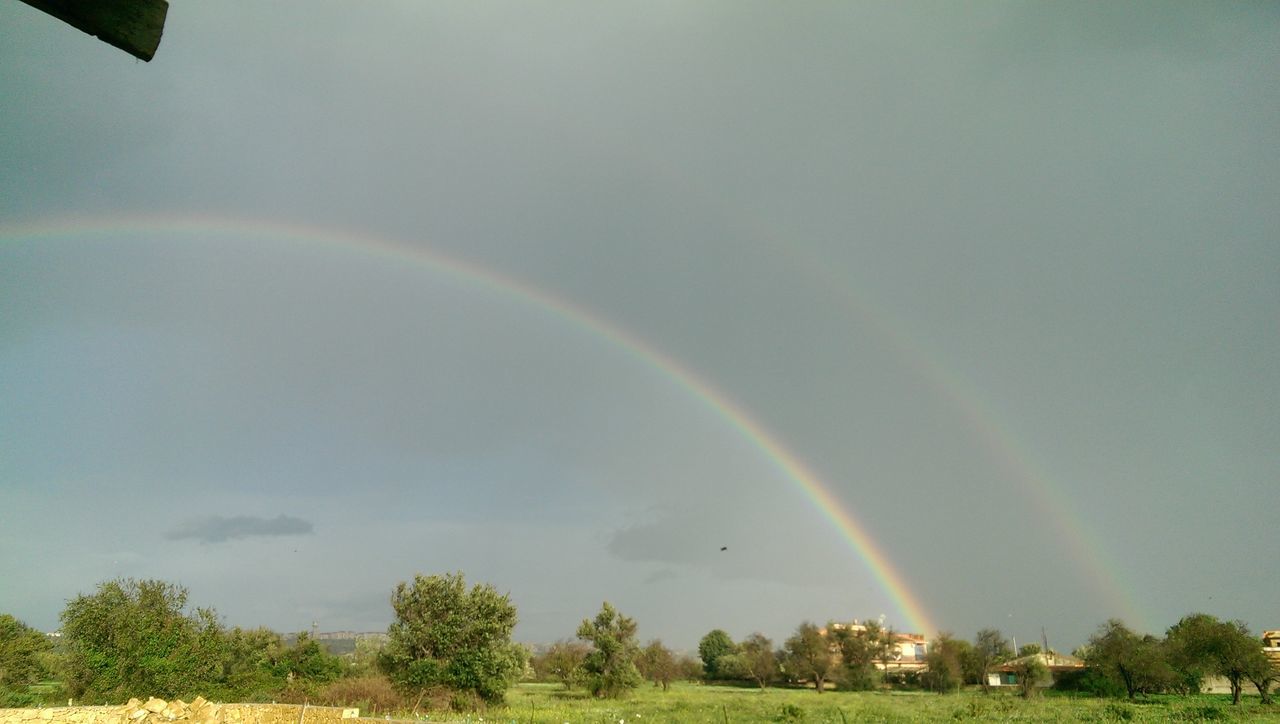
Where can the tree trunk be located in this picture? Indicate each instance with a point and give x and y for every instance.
(1235, 690)
(1264, 689)
(818, 681)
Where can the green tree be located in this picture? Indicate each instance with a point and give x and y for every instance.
(715, 644)
(1200, 643)
(134, 638)
(610, 668)
(249, 665)
(1028, 650)
(1137, 663)
(306, 663)
(25, 658)
(859, 652)
(1262, 671)
(22, 653)
(808, 655)
(563, 662)
(657, 663)
(944, 663)
(1029, 670)
(759, 661)
(990, 648)
(1188, 645)
(445, 636)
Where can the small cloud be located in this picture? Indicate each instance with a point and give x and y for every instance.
(221, 528)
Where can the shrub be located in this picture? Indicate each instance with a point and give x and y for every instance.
(373, 694)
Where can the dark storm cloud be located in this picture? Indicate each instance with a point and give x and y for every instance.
(219, 528)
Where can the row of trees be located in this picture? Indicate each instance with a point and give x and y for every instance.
(1198, 646)
(136, 638)
(450, 644)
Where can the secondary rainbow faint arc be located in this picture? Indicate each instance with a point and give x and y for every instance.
(789, 464)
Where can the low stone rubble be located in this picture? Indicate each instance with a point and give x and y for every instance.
(157, 711)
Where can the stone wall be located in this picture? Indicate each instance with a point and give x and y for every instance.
(199, 711)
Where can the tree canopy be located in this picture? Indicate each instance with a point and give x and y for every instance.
(445, 636)
(715, 644)
(610, 668)
(135, 638)
(809, 655)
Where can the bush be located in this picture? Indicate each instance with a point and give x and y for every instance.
(372, 694)
(1088, 681)
(447, 636)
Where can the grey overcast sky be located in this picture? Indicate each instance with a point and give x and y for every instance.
(331, 293)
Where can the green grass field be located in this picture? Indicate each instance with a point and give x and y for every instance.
(716, 704)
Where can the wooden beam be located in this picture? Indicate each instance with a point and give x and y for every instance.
(133, 26)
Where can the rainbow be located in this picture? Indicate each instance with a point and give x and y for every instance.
(1095, 565)
(793, 469)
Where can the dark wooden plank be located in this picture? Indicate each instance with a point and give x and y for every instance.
(133, 26)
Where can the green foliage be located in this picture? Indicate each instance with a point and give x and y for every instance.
(1030, 669)
(1200, 644)
(23, 653)
(715, 644)
(944, 659)
(249, 665)
(859, 652)
(808, 655)
(447, 636)
(990, 648)
(790, 713)
(1137, 663)
(1089, 680)
(610, 669)
(1028, 650)
(305, 667)
(134, 638)
(657, 663)
(759, 662)
(562, 662)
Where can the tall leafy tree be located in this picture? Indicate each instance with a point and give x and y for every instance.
(445, 636)
(1137, 663)
(759, 661)
(22, 653)
(563, 661)
(859, 652)
(990, 648)
(610, 668)
(944, 670)
(135, 638)
(657, 663)
(809, 655)
(715, 644)
(1200, 643)
(1189, 649)
(1030, 670)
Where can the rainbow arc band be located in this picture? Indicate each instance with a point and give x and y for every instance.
(804, 479)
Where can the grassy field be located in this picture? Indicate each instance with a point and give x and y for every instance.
(544, 703)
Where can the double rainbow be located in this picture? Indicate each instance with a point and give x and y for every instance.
(793, 469)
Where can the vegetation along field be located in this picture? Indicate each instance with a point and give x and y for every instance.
(448, 656)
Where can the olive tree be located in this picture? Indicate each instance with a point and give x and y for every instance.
(809, 655)
(610, 668)
(445, 636)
